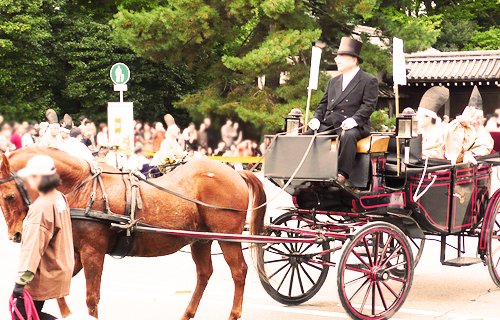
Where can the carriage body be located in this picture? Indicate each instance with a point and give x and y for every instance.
(381, 207)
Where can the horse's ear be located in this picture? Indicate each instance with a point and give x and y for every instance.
(5, 166)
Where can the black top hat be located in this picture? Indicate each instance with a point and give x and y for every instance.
(351, 47)
(475, 99)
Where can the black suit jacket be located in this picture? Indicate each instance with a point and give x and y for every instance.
(358, 101)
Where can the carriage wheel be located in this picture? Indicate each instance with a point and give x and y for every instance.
(292, 273)
(368, 289)
(417, 247)
(493, 248)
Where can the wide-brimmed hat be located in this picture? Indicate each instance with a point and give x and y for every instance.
(38, 165)
(350, 47)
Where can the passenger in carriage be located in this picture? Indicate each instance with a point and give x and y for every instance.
(429, 124)
(467, 138)
(348, 103)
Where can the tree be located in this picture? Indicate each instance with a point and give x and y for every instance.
(57, 54)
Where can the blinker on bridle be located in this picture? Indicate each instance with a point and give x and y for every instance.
(20, 187)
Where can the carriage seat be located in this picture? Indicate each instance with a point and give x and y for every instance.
(373, 144)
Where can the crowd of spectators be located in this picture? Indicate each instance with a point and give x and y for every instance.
(86, 140)
(198, 140)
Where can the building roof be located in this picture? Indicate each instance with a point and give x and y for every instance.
(433, 65)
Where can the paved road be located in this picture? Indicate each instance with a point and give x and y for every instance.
(158, 288)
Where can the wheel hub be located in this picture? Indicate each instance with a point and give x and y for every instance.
(379, 275)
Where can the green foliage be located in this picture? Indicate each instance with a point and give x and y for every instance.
(486, 40)
(381, 122)
(60, 58)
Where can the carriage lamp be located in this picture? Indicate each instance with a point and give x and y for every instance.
(406, 128)
(293, 122)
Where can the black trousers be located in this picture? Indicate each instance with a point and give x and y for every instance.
(38, 306)
(348, 147)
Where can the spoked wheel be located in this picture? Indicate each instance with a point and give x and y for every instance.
(493, 249)
(292, 273)
(417, 247)
(368, 287)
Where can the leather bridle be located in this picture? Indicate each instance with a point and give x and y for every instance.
(20, 187)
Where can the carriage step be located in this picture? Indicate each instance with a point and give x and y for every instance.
(462, 261)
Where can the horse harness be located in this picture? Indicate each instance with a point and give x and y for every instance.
(20, 187)
(133, 202)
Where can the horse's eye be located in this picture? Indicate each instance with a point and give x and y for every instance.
(10, 198)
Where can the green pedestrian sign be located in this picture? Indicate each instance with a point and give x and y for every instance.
(119, 73)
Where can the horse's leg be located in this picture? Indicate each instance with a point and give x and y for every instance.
(93, 262)
(201, 253)
(233, 255)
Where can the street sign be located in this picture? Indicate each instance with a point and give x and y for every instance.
(119, 73)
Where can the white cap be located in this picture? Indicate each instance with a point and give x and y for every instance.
(38, 165)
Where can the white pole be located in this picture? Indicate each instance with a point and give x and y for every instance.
(308, 105)
(121, 96)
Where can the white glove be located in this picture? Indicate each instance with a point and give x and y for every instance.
(348, 124)
(469, 157)
(314, 124)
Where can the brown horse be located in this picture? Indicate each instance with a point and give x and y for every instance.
(201, 179)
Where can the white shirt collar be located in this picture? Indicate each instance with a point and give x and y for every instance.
(348, 76)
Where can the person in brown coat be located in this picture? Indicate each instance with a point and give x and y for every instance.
(47, 257)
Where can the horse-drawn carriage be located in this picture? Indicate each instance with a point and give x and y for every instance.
(379, 222)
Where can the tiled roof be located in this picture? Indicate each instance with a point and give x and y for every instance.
(454, 66)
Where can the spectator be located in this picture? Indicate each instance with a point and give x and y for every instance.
(202, 136)
(228, 133)
(51, 138)
(203, 152)
(138, 163)
(264, 145)
(159, 136)
(75, 147)
(27, 139)
(190, 137)
(493, 122)
(255, 150)
(102, 136)
(210, 132)
(44, 126)
(16, 137)
(1, 119)
(116, 159)
(90, 131)
(65, 133)
(137, 131)
(147, 137)
(82, 120)
(170, 148)
(221, 149)
(239, 134)
(5, 134)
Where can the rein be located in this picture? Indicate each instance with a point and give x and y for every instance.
(29, 306)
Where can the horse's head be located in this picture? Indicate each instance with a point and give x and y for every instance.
(14, 200)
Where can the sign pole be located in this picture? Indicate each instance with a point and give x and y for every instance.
(309, 91)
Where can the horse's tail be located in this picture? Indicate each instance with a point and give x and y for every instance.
(258, 199)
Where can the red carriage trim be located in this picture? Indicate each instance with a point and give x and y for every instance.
(483, 169)
(468, 172)
(392, 197)
(472, 215)
(440, 176)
